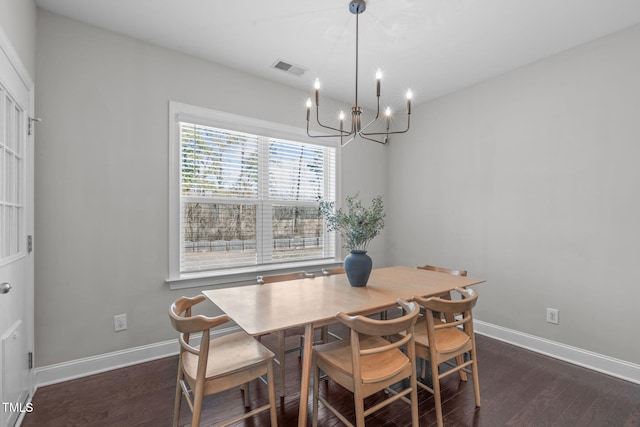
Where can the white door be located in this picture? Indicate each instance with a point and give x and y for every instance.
(16, 223)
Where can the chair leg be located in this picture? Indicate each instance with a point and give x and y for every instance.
(281, 355)
(178, 402)
(246, 395)
(301, 346)
(198, 395)
(359, 403)
(316, 390)
(476, 380)
(324, 334)
(436, 390)
(414, 402)
(463, 374)
(272, 394)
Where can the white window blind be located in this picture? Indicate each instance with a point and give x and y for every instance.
(248, 199)
(218, 163)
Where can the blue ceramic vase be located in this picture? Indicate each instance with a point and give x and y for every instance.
(358, 266)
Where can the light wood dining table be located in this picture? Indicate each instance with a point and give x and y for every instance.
(260, 309)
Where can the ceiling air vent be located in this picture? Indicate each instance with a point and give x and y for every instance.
(289, 68)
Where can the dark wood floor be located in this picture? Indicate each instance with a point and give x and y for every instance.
(518, 388)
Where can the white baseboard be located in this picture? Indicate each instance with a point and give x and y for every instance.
(60, 372)
(607, 365)
(79, 368)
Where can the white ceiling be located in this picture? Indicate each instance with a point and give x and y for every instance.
(434, 47)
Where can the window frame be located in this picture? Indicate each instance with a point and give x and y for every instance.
(183, 112)
(13, 182)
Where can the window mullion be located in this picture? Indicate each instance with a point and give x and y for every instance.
(264, 226)
(330, 248)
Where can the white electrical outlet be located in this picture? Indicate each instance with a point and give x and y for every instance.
(119, 322)
(552, 316)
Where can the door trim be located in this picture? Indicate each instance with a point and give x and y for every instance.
(25, 83)
(16, 63)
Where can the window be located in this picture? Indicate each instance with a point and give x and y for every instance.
(12, 166)
(245, 195)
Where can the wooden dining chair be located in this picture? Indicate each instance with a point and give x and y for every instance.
(367, 363)
(282, 335)
(325, 329)
(340, 270)
(446, 317)
(284, 277)
(443, 270)
(332, 271)
(440, 342)
(217, 364)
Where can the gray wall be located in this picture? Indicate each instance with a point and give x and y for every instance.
(101, 184)
(528, 180)
(531, 180)
(18, 21)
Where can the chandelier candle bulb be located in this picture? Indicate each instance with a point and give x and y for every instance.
(388, 116)
(316, 85)
(308, 108)
(409, 96)
(378, 79)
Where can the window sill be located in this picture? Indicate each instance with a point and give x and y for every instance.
(247, 275)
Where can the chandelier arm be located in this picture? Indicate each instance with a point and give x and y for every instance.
(383, 142)
(342, 132)
(367, 125)
(325, 136)
(342, 144)
(393, 132)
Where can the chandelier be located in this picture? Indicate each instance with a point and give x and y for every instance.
(357, 128)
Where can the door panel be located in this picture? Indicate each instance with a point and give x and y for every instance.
(14, 366)
(16, 221)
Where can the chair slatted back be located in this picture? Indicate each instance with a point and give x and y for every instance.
(362, 325)
(459, 310)
(186, 324)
